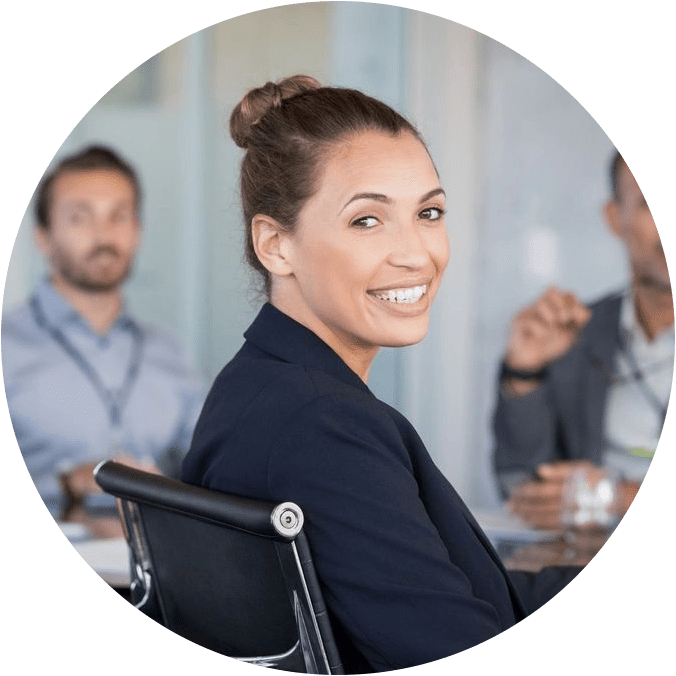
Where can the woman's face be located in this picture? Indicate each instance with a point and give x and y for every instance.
(370, 247)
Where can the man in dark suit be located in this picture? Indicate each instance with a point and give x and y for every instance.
(588, 386)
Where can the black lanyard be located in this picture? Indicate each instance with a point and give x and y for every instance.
(639, 377)
(114, 401)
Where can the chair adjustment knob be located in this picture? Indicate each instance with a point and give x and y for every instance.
(287, 519)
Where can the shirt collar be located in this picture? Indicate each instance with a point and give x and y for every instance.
(58, 312)
(281, 336)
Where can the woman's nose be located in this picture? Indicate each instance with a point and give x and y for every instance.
(408, 248)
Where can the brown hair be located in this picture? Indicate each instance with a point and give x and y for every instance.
(91, 158)
(287, 129)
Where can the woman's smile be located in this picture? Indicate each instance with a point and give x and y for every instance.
(405, 299)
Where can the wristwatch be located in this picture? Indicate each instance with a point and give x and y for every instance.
(521, 374)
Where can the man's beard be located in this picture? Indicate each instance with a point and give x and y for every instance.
(78, 275)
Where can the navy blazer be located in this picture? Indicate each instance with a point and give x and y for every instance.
(407, 574)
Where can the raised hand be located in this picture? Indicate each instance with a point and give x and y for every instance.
(545, 330)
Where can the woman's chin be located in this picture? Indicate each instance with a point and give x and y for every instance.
(407, 335)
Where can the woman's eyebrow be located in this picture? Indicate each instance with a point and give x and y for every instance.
(379, 197)
(432, 193)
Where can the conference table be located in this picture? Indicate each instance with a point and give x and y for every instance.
(97, 535)
(523, 548)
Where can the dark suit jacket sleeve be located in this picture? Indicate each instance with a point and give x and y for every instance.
(525, 436)
(385, 571)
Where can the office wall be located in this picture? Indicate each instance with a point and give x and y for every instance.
(523, 163)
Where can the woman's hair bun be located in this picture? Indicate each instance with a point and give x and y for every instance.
(258, 101)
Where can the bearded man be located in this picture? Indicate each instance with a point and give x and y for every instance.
(86, 380)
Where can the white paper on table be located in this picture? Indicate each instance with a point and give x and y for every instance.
(109, 558)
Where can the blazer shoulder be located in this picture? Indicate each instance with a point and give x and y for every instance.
(302, 392)
(343, 425)
(254, 386)
(609, 303)
(602, 332)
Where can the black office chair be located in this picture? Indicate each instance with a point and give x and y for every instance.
(231, 574)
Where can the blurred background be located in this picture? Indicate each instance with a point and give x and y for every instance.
(524, 167)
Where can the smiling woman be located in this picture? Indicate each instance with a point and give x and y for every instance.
(344, 219)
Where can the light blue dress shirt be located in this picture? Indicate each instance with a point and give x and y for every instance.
(636, 405)
(61, 418)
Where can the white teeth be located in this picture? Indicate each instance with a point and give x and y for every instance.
(410, 295)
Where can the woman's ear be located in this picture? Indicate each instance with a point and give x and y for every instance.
(270, 242)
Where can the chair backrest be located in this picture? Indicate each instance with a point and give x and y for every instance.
(229, 573)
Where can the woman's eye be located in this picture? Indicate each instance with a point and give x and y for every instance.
(365, 222)
(432, 213)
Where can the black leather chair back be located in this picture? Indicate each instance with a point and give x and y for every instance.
(231, 574)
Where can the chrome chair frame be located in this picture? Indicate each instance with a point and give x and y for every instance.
(150, 504)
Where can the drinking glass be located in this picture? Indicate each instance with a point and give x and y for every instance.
(591, 505)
